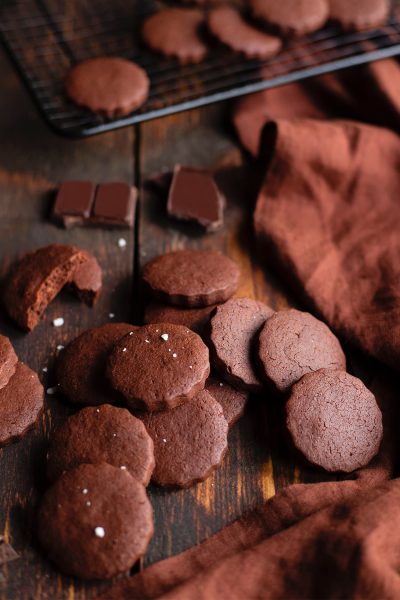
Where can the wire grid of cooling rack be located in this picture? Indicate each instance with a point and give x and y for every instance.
(46, 37)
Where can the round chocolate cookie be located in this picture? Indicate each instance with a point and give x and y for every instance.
(360, 14)
(233, 401)
(190, 441)
(195, 319)
(21, 404)
(334, 420)
(95, 521)
(81, 366)
(229, 27)
(192, 278)
(176, 32)
(104, 434)
(293, 343)
(159, 366)
(8, 361)
(234, 329)
(292, 17)
(107, 85)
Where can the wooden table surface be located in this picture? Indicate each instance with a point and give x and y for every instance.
(32, 161)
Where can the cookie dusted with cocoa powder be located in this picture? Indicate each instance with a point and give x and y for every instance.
(191, 278)
(334, 420)
(293, 343)
(360, 14)
(8, 361)
(195, 319)
(190, 441)
(292, 17)
(111, 86)
(159, 366)
(175, 32)
(234, 329)
(21, 404)
(104, 434)
(233, 401)
(95, 521)
(39, 276)
(81, 366)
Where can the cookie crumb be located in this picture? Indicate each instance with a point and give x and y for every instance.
(59, 322)
(99, 532)
(122, 242)
(164, 336)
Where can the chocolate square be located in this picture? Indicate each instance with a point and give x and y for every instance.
(74, 202)
(115, 204)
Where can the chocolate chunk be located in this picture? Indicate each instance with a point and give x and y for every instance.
(194, 196)
(74, 202)
(115, 204)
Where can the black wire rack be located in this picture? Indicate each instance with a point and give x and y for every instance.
(46, 37)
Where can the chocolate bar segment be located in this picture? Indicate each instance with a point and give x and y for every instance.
(115, 204)
(194, 196)
(74, 202)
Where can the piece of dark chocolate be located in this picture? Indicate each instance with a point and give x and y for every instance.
(194, 196)
(74, 202)
(115, 204)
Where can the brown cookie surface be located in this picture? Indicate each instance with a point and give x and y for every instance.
(175, 32)
(80, 368)
(292, 17)
(195, 319)
(21, 404)
(360, 14)
(192, 278)
(38, 277)
(233, 401)
(293, 343)
(87, 280)
(159, 366)
(229, 27)
(234, 329)
(334, 420)
(190, 441)
(104, 434)
(95, 521)
(8, 361)
(108, 85)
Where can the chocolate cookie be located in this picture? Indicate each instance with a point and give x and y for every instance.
(293, 343)
(159, 366)
(234, 329)
(195, 319)
(21, 404)
(95, 521)
(233, 401)
(87, 280)
(192, 278)
(229, 27)
(105, 434)
(111, 86)
(292, 17)
(80, 368)
(190, 441)
(334, 420)
(360, 14)
(8, 361)
(39, 276)
(176, 32)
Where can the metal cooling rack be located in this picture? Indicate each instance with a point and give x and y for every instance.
(46, 37)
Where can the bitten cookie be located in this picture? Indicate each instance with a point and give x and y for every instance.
(81, 366)
(21, 404)
(8, 361)
(190, 441)
(108, 85)
(195, 319)
(233, 401)
(293, 343)
(104, 434)
(175, 32)
(192, 278)
(39, 276)
(292, 17)
(229, 27)
(360, 14)
(159, 366)
(95, 521)
(234, 329)
(334, 420)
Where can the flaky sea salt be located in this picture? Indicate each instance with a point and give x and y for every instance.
(164, 336)
(99, 532)
(122, 242)
(51, 390)
(59, 322)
